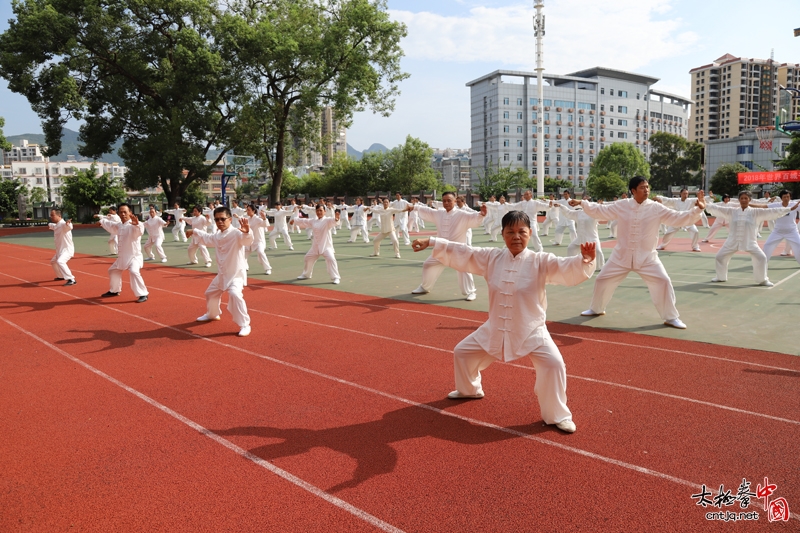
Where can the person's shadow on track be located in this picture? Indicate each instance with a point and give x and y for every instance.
(370, 443)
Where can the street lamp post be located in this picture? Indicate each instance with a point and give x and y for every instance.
(538, 28)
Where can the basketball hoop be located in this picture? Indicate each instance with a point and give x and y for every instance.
(765, 136)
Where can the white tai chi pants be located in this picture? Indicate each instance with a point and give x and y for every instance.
(757, 256)
(775, 238)
(355, 230)
(179, 231)
(137, 283)
(273, 238)
(546, 226)
(402, 229)
(148, 248)
(236, 305)
(330, 263)
(612, 228)
(112, 244)
(719, 222)
(262, 255)
(59, 264)
(203, 252)
(671, 231)
(559, 235)
(432, 269)
(413, 224)
(376, 243)
(654, 275)
(551, 375)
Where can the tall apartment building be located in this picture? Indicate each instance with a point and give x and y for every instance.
(334, 136)
(789, 76)
(582, 113)
(453, 166)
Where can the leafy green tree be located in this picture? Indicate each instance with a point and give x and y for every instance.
(408, 168)
(86, 189)
(791, 162)
(497, 181)
(295, 57)
(674, 161)
(146, 72)
(194, 195)
(37, 195)
(622, 159)
(4, 144)
(726, 180)
(551, 185)
(9, 191)
(606, 186)
(348, 176)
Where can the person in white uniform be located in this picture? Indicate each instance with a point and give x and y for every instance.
(236, 213)
(65, 249)
(719, 222)
(129, 231)
(155, 236)
(388, 227)
(564, 223)
(586, 227)
(532, 208)
(359, 223)
(413, 217)
(785, 228)
(684, 203)
(257, 223)
(551, 219)
(451, 224)
(500, 211)
(744, 221)
(401, 217)
(516, 328)
(198, 221)
(321, 246)
(230, 244)
(281, 227)
(113, 240)
(639, 219)
(179, 229)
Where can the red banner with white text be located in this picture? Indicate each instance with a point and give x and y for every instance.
(778, 176)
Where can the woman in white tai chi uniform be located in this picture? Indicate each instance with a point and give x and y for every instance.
(684, 203)
(359, 222)
(230, 244)
(516, 328)
(586, 227)
(198, 221)
(744, 221)
(321, 246)
(179, 229)
(532, 208)
(113, 241)
(401, 218)
(719, 222)
(129, 257)
(564, 223)
(500, 211)
(65, 249)
(257, 223)
(155, 236)
(388, 227)
(785, 228)
(451, 224)
(639, 219)
(413, 217)
(280, 214)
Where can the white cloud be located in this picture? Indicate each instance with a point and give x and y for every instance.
(623, 34)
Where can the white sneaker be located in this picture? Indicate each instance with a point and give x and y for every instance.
(419, 290)
(374, 255)
(567, 426)
(696, 249)
(149, 258)
(704, 240)
(244, 332)
(397, 256)
(675, 323)
(192, 263)
(660, 248)
(291, 248)
(471, 297)
(336, 281)
(268, 272)
(206, 318)
(208, 265)
(163, 260)
(302, 276)
(589, 312)
(455, 395)
(767, 283)
(717, 280)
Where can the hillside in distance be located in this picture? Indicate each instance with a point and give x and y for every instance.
(69, 146)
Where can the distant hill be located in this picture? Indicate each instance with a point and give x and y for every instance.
(355, 154)
(69, 146)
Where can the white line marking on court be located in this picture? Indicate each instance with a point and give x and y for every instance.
(303, 484)
(796, 272)
(363, 515)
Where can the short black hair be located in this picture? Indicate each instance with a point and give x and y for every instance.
(513, 217)
(451, 193)
(685, 189)
(785, 191)
(120, 206)
(724, 196)
(56, 211)
(223, 209)
(635, 182)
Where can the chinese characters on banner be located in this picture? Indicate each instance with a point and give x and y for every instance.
(777, 508)
(779, 176)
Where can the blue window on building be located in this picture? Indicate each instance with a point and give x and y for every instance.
(748, 164)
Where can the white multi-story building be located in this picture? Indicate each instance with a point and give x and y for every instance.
(744, 149)
(582, 112)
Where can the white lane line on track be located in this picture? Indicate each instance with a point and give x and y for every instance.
(333, 500)
(305, 485)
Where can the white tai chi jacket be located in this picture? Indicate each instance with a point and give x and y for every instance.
(62, 233)
(744, 224)
(321, 229)
(359, 214)
(517, 298)
(387, 224)
(531, 207)
(237, 212)
(230, 249)
(258, 226)
(400, 220)
(679, 205)
(129, 245)
(637, 235)
(199, 222)
(155, 228)
(280, 216)
(452, 225)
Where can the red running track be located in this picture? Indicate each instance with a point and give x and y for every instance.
(331, 416)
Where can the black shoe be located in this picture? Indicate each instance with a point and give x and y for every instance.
(70, 282)
(58, 279)
(109, 294)
(141, 299)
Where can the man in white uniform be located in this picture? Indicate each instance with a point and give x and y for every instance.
(532, 208)
(516, 328)
(236, 213)
(744, 221)
(639, 219)
(65, 249)
(564, 223)
(230, 244)
(388, 227)
(113, 241)
(321, 246)
(719, 222)
(500, 211)
(413, 217)
(279, 215)
(451, 224)
(257, 223)
(785, 228)
(198, 221)
(586, 227)
(684, 203)
(359, 222)
(401, 218)
(179, 229)
(551, 219)
(129, 257)
(155, 236)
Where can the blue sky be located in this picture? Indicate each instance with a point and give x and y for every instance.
(451, 42)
